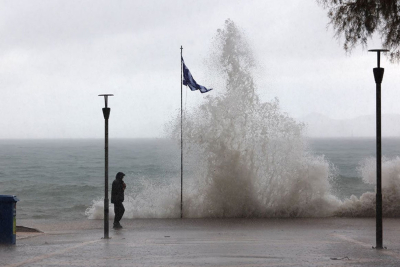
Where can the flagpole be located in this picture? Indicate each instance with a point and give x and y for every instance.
(181, 141)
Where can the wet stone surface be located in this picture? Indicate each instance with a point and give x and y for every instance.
(208, 242)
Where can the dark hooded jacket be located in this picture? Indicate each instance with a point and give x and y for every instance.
(117, 190)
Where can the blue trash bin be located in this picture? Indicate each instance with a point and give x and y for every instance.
(8, 223)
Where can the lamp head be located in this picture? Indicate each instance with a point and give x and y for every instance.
(106, 98)
(378, 51)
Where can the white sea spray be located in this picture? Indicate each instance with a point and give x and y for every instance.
(365, 205)
(248, 158)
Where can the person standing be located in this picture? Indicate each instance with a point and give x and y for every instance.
(117, 197)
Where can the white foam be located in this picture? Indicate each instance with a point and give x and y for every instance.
(365, 205)
(153, 201)
(256, 164)
(249, 158)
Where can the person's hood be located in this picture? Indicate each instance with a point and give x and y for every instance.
(119, 176)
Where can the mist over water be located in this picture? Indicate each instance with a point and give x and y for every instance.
(248, 158)
(365, 205)
(255, 161)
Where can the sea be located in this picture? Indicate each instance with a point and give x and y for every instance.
(64, 179)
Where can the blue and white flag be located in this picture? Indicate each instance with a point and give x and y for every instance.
(189, 81)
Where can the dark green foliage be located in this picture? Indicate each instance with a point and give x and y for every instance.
(358, 20)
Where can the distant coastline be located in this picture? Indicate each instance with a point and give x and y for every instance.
(321, 126)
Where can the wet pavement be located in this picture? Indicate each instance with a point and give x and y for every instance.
(206, 242)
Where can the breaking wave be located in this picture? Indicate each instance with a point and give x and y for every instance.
(365, 205)
(248, 157)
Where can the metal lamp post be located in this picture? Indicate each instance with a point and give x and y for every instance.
(106, 113)
(378, 75)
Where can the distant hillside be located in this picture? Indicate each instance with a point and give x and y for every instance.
(318, 125)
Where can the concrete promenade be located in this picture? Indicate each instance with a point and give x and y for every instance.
(206, 242)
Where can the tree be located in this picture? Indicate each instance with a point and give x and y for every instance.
(358, 20)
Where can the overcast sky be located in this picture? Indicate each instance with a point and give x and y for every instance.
(56, 57)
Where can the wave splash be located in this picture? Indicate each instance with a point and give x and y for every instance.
(251, 159)
(365, 205)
